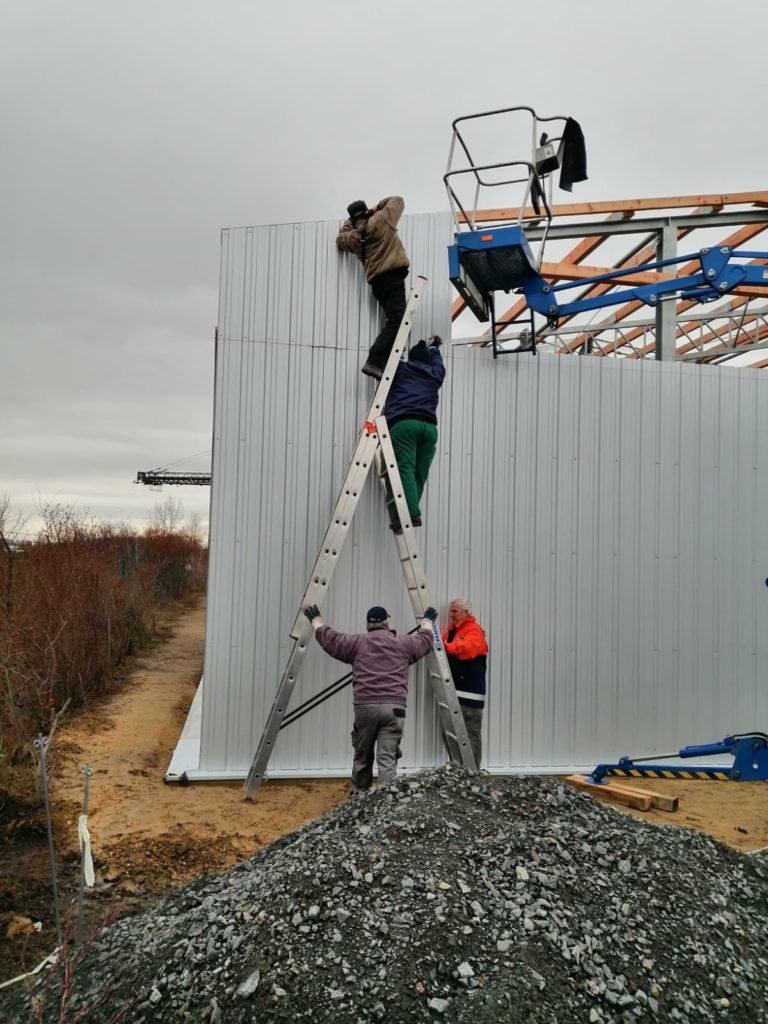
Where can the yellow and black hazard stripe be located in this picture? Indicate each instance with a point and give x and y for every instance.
(669, 773)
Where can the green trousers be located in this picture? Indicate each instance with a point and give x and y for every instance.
(414, 443)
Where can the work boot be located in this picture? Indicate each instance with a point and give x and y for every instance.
(372, 370)
(416, 520)
(396, 527)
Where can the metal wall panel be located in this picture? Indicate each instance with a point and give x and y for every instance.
(604, 516)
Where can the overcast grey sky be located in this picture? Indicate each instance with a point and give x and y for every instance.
(132, 132)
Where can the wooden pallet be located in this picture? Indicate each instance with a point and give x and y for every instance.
(640, 799)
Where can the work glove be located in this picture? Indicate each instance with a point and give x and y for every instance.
(436, 340)
(431, 614)
(312, 612)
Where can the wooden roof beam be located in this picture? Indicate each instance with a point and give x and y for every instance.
(627, 206)
(752, 291)
(575, 272)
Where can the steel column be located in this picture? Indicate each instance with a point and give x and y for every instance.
(666, 311)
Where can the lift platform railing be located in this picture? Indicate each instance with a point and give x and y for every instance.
(534, 173)
(482, 262)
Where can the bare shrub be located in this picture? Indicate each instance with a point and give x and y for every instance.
(55, 996)
(84, 597)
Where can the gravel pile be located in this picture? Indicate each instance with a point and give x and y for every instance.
(456, 898)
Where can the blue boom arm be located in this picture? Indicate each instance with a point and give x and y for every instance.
(717, 276)
(749, 752)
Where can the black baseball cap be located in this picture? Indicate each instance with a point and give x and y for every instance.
(377, 614)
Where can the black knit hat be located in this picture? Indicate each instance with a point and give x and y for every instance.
(357, 209)
(419, 353)
(377, 614)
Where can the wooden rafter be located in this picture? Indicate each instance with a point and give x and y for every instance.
(626, 206)
(752, 291)
(576, 272)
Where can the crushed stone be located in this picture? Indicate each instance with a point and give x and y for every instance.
(447, 897)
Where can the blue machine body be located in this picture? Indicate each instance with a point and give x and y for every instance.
(494, 260)
(749, 752)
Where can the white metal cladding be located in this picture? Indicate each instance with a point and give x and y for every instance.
(606, 518)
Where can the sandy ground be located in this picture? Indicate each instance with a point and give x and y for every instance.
(734, 812)
(149, 833)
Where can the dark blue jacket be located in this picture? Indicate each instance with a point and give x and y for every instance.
(414, 391)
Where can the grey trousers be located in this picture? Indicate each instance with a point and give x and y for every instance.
(378, 729)
(473, 722)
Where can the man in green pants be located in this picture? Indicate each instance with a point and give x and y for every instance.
(411, 412)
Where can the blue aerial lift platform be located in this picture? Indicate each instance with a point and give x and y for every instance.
(486, 260)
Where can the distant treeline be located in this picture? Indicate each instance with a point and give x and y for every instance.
(74, 602)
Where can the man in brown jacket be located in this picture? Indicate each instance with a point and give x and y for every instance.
(372, 236)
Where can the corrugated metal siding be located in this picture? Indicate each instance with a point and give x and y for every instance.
(603, 515)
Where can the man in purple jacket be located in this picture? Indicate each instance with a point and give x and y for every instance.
(380, 660)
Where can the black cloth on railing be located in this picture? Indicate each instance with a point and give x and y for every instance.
(573, 155)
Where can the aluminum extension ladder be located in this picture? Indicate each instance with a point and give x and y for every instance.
(373, 445)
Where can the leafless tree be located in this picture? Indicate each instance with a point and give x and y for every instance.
(11, 523)
(167, 516)
(193, 529)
